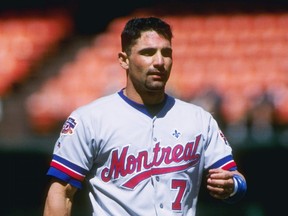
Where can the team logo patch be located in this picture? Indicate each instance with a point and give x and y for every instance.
(223, 137)
(69, 126)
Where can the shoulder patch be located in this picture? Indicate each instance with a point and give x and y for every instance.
(69, 126)
(223, 137)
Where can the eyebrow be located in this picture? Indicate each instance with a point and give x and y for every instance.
(152, 48)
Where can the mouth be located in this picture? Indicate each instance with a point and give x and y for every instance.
(157, 74)
(157, 77)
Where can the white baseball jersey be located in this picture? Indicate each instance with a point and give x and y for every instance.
(138, 164)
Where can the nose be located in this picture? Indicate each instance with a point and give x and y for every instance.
(158, 59)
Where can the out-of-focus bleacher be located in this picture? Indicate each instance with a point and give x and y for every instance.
(25, 37)
(241, 58)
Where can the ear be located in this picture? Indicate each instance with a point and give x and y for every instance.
(123, 60)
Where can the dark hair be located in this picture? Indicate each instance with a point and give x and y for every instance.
(135, 26)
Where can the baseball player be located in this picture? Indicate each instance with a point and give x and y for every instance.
(140, 150)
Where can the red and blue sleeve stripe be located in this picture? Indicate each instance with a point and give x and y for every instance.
(226, 163)
(67, 171)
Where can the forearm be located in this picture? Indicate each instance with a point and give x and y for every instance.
(56, 205)
(59, 200)
(240, 188)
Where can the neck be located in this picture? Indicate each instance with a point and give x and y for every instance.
(146, 98)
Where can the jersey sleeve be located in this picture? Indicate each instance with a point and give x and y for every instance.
(218, 153)
(72, 154)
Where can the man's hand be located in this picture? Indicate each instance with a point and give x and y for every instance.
(220, 183)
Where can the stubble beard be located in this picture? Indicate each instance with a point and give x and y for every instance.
(155, 85)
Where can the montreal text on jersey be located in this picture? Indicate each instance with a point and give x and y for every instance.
(128, 164)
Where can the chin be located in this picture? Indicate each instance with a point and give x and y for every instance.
(156, 89)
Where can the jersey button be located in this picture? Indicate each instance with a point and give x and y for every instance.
(155, 139)
(161, 205)
(157, 178)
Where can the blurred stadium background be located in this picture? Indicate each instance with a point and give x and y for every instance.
(231, 57)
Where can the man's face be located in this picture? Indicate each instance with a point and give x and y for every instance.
(150, 62)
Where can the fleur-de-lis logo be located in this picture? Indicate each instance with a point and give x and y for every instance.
(176, 133)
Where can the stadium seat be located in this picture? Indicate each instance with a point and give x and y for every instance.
(238, 56)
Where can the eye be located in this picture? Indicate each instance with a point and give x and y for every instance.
(148, 52)
(167, 52)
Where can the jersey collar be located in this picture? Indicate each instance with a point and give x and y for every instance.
(160, 109)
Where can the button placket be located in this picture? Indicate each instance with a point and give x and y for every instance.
(156, 179)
